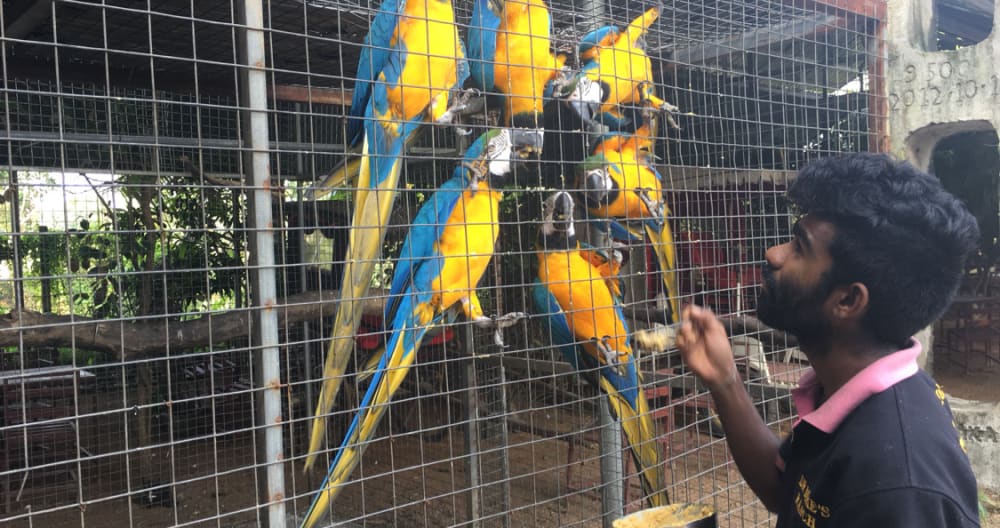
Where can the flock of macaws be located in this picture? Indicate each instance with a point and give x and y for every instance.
(596, 124)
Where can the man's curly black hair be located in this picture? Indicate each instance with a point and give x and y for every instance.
(897, 231)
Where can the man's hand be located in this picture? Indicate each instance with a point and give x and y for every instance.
(705, 348)
(706, 351)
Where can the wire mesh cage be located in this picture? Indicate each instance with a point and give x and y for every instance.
(172, 279)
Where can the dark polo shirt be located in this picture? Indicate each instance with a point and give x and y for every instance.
(880, 452)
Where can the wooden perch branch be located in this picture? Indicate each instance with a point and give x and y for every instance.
(129, 340)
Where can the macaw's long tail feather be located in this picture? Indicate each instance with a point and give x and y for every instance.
(662, 241)
(377, 183)
(371, 366)
(343, 175)
(389, 374)
(638, 27)
(347, 172)
(640, 432)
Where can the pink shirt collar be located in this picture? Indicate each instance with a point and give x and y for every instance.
(875, 378)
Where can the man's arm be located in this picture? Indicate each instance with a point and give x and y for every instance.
(706, 351)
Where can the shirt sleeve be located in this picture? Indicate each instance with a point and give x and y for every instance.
(903, 507)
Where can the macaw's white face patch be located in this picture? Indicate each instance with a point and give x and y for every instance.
(499, 152)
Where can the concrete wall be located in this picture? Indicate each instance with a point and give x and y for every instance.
(979, 425)
(932, 95)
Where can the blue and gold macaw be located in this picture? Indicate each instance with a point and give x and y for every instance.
(509, 53)
(621, 183)
(586, 322)
(444, 256)
(618, 62)
(412, 59)
(377, 48)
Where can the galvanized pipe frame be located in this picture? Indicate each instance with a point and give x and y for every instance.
(267, 367)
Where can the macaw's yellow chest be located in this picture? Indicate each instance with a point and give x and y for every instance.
(524, 63)
(467, 243)
(426, 33)
(582, 292)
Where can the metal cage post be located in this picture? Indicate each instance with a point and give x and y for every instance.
(267, 370)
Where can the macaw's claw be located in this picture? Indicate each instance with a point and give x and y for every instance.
(655, 207)
(667, 107)
(668, 111)
(498, 323)
(670, 121)
(471, 102)
(465, 102)
(508, 320)
(609, 353)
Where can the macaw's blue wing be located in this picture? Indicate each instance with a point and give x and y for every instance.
(554, 320)
(424, 232)
(374, 55)
(372, 59)
(482, 43)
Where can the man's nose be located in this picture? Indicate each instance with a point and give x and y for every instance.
(775, 255)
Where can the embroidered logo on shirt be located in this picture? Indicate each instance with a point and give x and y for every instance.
(939, 391)
(807, 507)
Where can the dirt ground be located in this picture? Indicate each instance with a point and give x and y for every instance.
(408, 479)
(981, 382)
(428, 493)
(990, 502)
(405, 480)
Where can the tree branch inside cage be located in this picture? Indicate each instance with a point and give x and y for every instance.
(151, 337)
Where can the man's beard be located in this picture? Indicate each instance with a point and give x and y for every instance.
(792, 310)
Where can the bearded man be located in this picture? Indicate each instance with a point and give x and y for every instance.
(876, 254)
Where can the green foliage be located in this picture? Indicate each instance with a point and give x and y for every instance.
(162, 247)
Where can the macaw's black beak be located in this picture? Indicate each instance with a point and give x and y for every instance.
(556, 231)
(597, 188)
(527, 142)
(561, 209)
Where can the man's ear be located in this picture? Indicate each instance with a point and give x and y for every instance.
(850, 301)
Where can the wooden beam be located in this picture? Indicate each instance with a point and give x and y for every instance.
(154, 337)
(313, 94)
